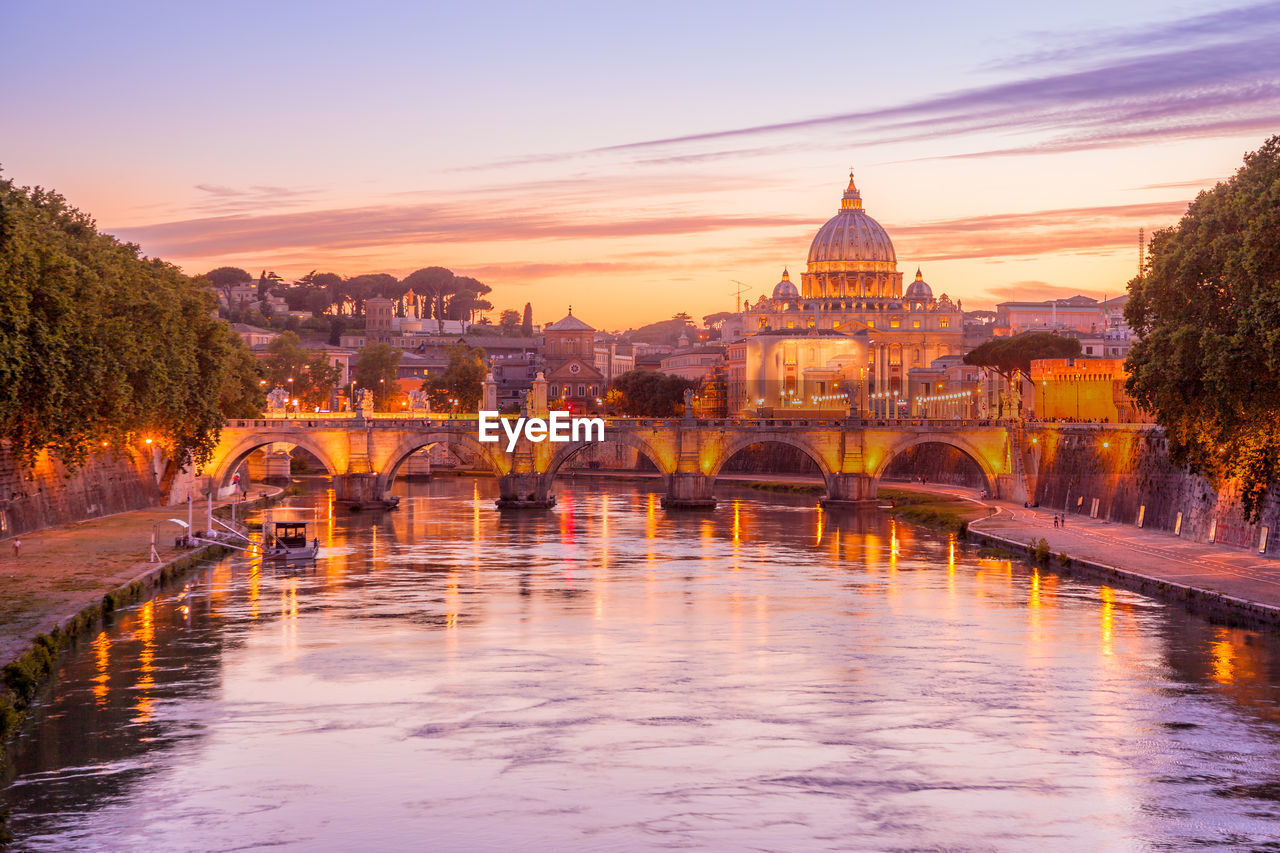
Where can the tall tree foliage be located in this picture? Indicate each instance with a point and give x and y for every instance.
(462, 380)
(1207, 308)
(375, 369)
(648, 393)
(308, 377)
(1011, 356)
(98, 344)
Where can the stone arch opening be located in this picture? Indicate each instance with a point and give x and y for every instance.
(450, 440)
(567, 451)
(241, 452)
(948, 460)
(804, 450)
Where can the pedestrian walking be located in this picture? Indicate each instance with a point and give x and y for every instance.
(17, 547)
(1055, 520)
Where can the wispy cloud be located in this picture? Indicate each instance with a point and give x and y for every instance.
(221, 199)
(1206, 75)
(1080, 230)
(386, 225)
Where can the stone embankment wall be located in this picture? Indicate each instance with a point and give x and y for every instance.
(1126, 469)
(49, 493)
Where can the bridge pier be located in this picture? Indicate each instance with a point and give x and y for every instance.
(524, 491)
(361, 491)
(689, 490)
(847, 489)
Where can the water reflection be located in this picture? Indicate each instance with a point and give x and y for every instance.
(610, 676)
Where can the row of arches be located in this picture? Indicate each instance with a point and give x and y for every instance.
(565, 452)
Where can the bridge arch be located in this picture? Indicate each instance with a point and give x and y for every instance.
(234, 458)
(414, 443)
(745, 441)
(566, 451)
(989, 472)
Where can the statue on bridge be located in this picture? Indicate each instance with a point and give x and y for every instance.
(277, 401)
(419, 402)
(364, 403)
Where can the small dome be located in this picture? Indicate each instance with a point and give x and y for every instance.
(918, 289)
(785, 289)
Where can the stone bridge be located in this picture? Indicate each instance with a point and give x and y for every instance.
(364, 455)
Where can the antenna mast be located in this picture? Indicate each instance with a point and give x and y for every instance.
(742, 288)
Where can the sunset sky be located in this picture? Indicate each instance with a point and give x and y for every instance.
(635, 160)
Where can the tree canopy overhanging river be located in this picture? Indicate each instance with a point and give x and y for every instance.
(609, 676)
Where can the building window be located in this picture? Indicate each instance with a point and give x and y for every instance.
(944, 322)
(915, 324)
(582, 390)
(895, 323)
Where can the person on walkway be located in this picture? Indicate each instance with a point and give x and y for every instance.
(17, 547)
(1055, 520)
(1064, 519)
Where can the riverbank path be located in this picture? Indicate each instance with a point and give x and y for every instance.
(1156, 554)
(61, 570)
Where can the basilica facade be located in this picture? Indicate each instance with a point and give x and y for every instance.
(850, 331)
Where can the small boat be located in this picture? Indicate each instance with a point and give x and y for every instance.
(288, 541)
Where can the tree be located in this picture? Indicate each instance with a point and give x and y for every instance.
(1207, 308)
(509, 322)
(433, 284)
(462, 380)
(375, 369)
(466, 301)
(1011, 357)
(224, 277)
(99, 345)
(526, 323)
(309, 378)
(242, 394)
(648, 393)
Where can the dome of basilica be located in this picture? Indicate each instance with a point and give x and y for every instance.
(784, 289)
(918, 289)
(852, 240)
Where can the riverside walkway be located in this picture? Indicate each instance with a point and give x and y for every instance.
(1154, 555)
(64, 569)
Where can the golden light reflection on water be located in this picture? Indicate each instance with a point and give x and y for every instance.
(1223, 657)
(786, 624)
(1106, 615)
(102, 657)
(146, 633)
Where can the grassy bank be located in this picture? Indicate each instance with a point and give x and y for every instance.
(940, 512)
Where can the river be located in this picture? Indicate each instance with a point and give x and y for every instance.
(610, 676)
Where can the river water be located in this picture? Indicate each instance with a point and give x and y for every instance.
(608, 676)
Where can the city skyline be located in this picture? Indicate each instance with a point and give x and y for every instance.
(636, 163)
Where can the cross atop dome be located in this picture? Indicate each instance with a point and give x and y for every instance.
(852, 198)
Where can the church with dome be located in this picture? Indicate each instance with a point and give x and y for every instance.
(849, 330)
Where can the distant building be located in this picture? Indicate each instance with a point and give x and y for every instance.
(851, 289)
(693, 363)
(1083, 389)
(254, 336)
(613, 360)
(947, 388)
(1078, 313)
(569, 353)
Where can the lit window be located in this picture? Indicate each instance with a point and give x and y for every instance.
(944, 322)
(895, 323)
(915, 324)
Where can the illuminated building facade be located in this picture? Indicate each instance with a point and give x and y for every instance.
(851, 300)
